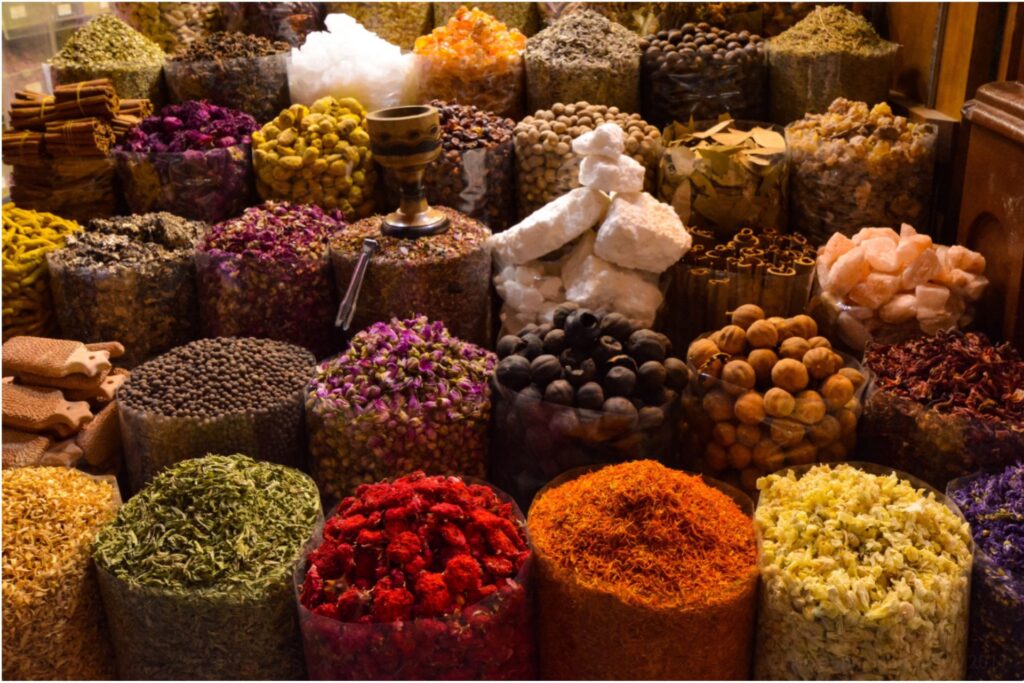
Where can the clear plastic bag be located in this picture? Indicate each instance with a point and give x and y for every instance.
(149, 307)
(276, 433)
(536, 441)
(208, 185)
(291, 301)
(400, 23)
(492, 639)
(256, 85)
(79, 189)
(498, 90)
(995, 647)
(825, 640)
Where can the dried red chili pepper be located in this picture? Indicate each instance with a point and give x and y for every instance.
(421, 577)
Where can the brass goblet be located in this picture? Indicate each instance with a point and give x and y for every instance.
(406, 140)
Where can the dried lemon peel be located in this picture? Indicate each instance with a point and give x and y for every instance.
(648, 535)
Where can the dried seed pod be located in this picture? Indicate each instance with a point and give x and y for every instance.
(794, 347)
(701, 351)
(509, 345)
(730, 339)
(779, 402)
(590, 396)
(818, 362)
(718, 405)
(619, 381)
(747, 314)
(787, 433)
(560, 392)
(810, 407)
(790, 375)
(763, 452)
(582, 328)
(837, 391)
(513, 372)
(678, 375)
(606, 348)
(545, 369)
(562, 313)
(762, 335)
(554, 342)
(738, 376)
(749, 408)
(763, 360)
(847, 421)
(616, 325)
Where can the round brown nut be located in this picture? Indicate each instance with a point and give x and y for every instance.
(779, 402)
(749, 408)
(762, 335)
(837, 391)
(790, 375)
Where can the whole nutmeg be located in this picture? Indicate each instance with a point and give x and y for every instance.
(651, 375)
(645, 345)
(786, 432)
(605, 349)
(810, 407)
(824, 432)
(715, 457)
(803, 453)
(762, 335)
(778, 402)
(701, 351)
(748, 434)
(854, 375)
(718, 405)
(738, 376)
(739, 456)
(802, 326)
(620, 406)
(790, 375)
(562, 312)
(509, 345)
(746, 315)
(724, 434)
(819, 342)
(560, 392)
(554, 342)
(749, 408)
(590, 396)
(619, 381)
(513, 372)
(731, 339)
(767, 455)
(545, 369)
(794, 347)
(763, 360)
(837, 391)
(616, 325)
(818, 362)
(582, 373)
(678, 375)
(582, 328)
(534, 346)
(572, 357)
(543, 329)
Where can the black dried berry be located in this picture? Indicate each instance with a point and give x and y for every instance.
(554, 342)
(651, 375)
(562, 312)
(545, 369)
(622, 361)
(510, 344)
(606, 348)
(619, 381)
(513, 372)
(582, 328)
(534, 346)
(650, 417)
(590, 396)
(530, 393)
(645, 345)
(528, 329)
(572, 358)
(542, 330)
(677, 373)
(560, 392)
(579, 375)
(620, 414)
(616, 325)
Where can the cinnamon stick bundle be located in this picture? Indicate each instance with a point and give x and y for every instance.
(19, 146)
(81, 137)
(122, 123)
(88, 99)
(139, 108)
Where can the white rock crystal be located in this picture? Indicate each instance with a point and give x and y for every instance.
(607, 140)
(612, 174)
(642, 233)
(550, 227)
(347, 60)
(595, 283)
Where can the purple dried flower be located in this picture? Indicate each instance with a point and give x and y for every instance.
(193, 125)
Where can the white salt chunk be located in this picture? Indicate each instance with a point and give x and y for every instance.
(880, 253)
(552, 226)
(641, 233)
(899, 309)
(848, 270)
(612, 174)
(875, 290)
(875, 233)
(607, 140)
(924, 268)
(910, 248)
(931, 297)
(837, 245)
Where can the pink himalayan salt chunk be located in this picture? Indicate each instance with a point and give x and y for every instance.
(837, 245)
(907, 230)
(965, 259)
(881, 254)
(930, 298)
(848, 270)
(921, 270)
(899, 309)
(910, 248)
(874, 233)
(975, 287)
(954, 278)
(875, 290)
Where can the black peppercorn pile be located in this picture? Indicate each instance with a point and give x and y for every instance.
(702, 71)
(230, 45)
(213, 377)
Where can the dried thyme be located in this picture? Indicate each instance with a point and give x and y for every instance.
(196, 571)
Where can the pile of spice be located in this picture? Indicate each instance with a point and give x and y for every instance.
(770, 270)
(475, 172)
(107, 47)
(53, 622)
(191, 159)
(853, 166)
(994, 507)
(171, 25)
(400, 23)
(421, 577)
(945, 406)
(247, 72)
(700, 71)
(349, 61)
(130, 278)
(220, 395)
(634, 559)
(404, 396)
(725, 177)
(291, 22)
(583, 57)
(197, 570)
(27, 237)
(474, 59)
(267, 274)
(444, 277)
(586, 388)
(886, 286)
(317, 155)
(523, 16)
(829, 54)
(643, 18)
(546, 165)
(769, 393)
(863, 575)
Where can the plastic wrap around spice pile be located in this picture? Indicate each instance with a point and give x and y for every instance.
(28, 236)
(107, 47)
(196, 571)
(419, 578)
(473, 59)
(317, 155)
(444, 276)
(768, 393)
(404, 396)
(886, 287)
(192, 160)
(220, 395)
(267, 273)
(54, 627)
(830, 53)
(587, 388)
(994, 507)
(130, 278)
(864, 574)
(583, 57)
(854, 166)
(643, 572)
(945, 406)
(248, 73)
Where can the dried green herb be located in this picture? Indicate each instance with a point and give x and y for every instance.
(196, 571)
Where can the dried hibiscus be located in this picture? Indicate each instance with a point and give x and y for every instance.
(420, 577)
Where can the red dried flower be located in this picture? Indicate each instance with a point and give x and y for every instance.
(404, 548)
(392, 604)
(463, 574)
